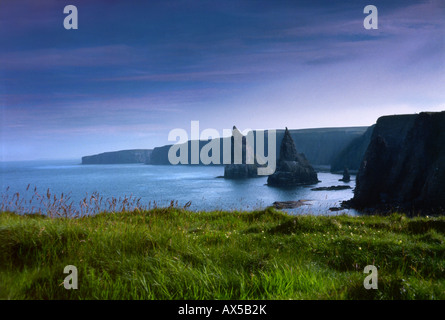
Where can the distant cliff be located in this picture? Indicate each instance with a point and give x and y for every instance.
(404, 165)
(320, 145)
(116, 157)
(159, 156)
(352, 155)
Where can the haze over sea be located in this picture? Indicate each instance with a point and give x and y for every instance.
(162, 184)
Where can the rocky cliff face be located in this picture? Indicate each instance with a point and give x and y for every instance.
(116, 157)
(159, 156)
(404, 165)
(322, 145)
(352, 155)
(293, 168)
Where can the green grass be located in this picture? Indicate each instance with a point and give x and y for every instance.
(171, 253)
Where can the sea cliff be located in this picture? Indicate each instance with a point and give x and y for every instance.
(117, 157)
(404, 165)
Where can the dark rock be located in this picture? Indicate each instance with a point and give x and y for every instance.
(242, 170)
(346, 176)
(292, 168)
(404, 165)
(289, 204)
(331, 188)
(288, 151)
(118, 157)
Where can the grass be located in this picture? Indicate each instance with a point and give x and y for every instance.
(173, 253)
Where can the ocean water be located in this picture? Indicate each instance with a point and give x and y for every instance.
(161, 184)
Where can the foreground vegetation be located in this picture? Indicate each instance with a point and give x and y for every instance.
(172, 253)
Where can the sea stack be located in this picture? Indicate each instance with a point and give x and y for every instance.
(240, 170)
(346, 175)
(293, 168)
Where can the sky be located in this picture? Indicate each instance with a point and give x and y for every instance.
(135, 70)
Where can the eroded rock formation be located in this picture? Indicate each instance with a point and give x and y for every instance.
(244, 169)
(346, 175)
(293, 168)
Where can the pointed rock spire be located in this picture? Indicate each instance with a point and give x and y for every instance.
(236, 132)
(293, 168)
(288, 151)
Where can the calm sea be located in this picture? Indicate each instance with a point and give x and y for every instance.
(162, 184)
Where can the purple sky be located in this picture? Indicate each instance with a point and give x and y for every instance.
(134, 70)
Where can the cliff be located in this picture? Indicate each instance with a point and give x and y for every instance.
(159, 155)
(320, 145)
(404, 165)
(352, 155)
(116, 157)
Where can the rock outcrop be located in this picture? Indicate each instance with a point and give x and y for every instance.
(293, 168)
(290, 204)
(331, 188)
(119, 157)
(404, 165)
(346, 175)
(242, 170)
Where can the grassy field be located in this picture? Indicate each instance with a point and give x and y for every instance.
(171, 253)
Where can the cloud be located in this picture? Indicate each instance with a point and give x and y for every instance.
(111, 55)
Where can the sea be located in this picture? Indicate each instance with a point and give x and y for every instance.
(34, 185)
